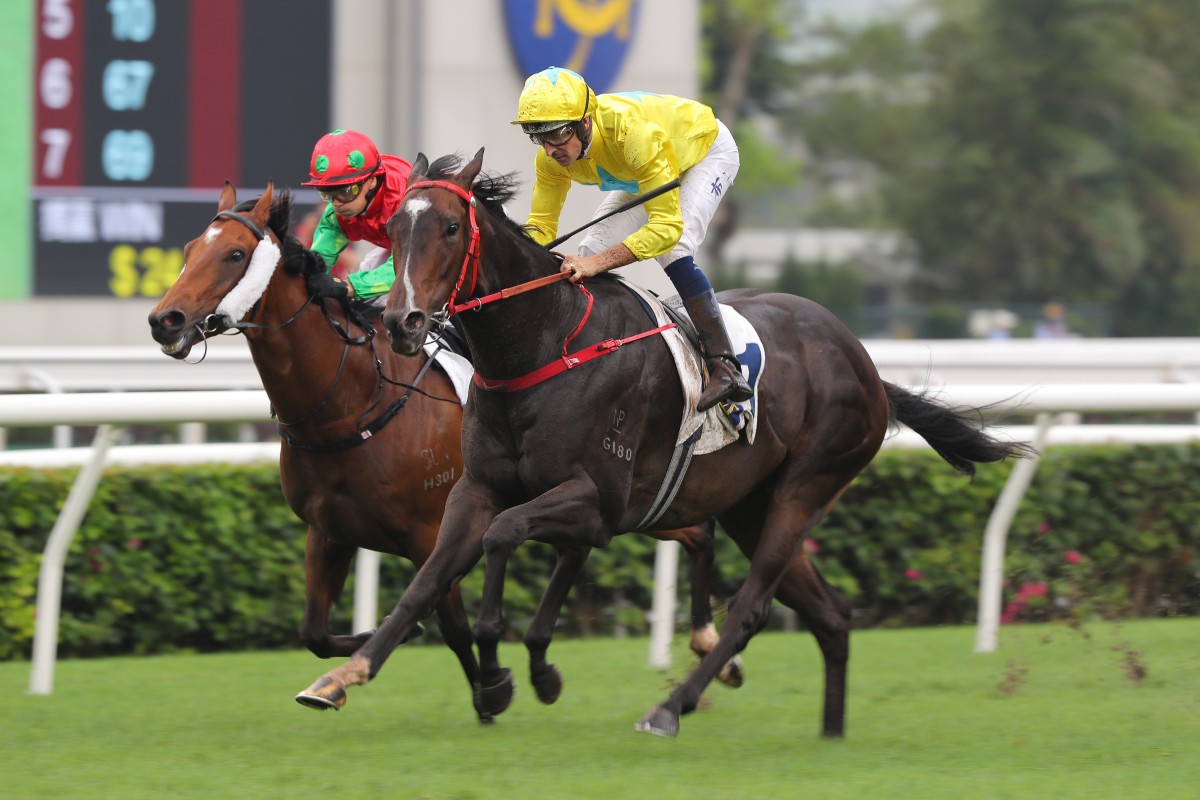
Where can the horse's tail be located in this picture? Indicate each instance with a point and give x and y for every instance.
(957, 436)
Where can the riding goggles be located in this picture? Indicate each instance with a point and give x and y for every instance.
(342, 194)
(556, 137)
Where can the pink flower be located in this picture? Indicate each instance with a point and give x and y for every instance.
(1031, 590)
(134, 544)
(913, 574)
(1043, 528)
(1072, 556)
(1010, 613)
(811, 546)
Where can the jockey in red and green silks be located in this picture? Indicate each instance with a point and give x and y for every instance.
(362, 189)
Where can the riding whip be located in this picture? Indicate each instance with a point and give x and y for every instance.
(637, 201)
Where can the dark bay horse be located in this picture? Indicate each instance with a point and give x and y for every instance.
(328, 384)
(537, 465)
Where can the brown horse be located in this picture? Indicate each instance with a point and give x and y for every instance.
(371, 439)
(537, 461)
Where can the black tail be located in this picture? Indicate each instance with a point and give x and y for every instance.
(957, 436)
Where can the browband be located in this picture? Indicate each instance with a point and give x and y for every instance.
(258, 232)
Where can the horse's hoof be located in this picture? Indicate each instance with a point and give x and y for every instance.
(323, 695)
(492, 701)
(660, 721)
(733, 674)
(547, 683)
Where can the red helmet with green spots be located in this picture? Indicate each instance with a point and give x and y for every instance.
(342, 157)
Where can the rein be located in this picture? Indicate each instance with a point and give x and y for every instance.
(567, 360)
(374, 426)
(214, 322)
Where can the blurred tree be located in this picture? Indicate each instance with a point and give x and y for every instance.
(743, 73)
(838, 287)
(1031, 148)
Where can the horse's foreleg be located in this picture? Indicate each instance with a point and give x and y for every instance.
(456, 630)
(565, 515)
(495, 688)
(326, 565)
(545, 677)
(458, 548)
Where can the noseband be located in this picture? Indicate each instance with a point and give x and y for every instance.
(471, 259)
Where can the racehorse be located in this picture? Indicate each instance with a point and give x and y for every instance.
(370, 438)
(556, 364)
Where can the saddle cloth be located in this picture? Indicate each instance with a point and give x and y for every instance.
(722, 424)
(457, 368)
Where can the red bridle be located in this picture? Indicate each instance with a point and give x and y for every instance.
(471, 259)
(556, 367)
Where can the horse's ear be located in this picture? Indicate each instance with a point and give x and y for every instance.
(262, 209)
(419, 168)
(471, 170)
(228, 198)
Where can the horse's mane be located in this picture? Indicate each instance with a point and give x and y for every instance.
(490, 190)
(296, 257)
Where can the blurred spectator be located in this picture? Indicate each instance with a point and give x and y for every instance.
(1053, 323)
(992, 323)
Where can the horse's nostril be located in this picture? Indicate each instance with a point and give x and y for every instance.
(172, 319)
(414, 321)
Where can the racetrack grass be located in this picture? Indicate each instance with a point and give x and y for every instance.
(1055, 713)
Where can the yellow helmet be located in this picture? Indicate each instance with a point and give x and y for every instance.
(552, 98)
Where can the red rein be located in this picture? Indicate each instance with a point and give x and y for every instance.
(567, 360)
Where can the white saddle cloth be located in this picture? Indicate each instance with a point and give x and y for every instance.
(722, 424)
(457, 368)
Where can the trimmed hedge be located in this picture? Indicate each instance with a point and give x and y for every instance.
(210, 558)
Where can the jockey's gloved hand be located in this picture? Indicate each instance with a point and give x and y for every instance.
(322, 284)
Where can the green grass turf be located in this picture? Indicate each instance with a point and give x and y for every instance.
(1054, 713)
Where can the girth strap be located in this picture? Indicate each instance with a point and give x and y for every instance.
(681, 459)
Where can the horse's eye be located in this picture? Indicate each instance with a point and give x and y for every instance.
(452, 229)
(237, 256)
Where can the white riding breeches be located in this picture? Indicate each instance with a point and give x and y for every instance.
(701, 189)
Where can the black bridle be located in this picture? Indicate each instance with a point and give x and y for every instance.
(215, 324)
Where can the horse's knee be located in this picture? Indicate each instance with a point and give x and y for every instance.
(316, 643)
(537, 641)
(489, 630)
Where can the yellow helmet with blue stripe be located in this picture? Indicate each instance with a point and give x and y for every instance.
(552, 98)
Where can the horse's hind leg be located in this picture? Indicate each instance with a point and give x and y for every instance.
(700, 543)
(326, 565)
(545, 677)
(827, 614)
(787, 522)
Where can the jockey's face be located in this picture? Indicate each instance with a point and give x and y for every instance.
(357, 204)
(565, 151)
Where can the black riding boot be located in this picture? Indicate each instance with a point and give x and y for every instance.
(725, 380)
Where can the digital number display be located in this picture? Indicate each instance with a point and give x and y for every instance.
(144, 108)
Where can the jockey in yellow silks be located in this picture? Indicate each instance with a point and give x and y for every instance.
(628, 144)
